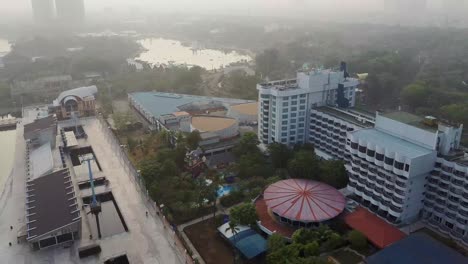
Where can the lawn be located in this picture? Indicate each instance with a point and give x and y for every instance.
(346, 257)
(212, 248)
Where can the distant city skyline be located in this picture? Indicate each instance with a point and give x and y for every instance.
(70, 11)
(43, 10)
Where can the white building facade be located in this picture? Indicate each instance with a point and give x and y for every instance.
(285, 105)
(401, 167)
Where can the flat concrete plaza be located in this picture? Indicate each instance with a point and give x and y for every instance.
(147, 241)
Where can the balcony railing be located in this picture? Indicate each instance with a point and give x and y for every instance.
(456, 234)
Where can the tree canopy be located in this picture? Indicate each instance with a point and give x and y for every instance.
(244, 214)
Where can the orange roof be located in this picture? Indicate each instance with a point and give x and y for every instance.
(212, 123)
(268, 222)
(379, 232)
(247, 108)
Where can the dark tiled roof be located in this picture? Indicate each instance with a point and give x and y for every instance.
(40, 124)
(417, 248)
(51, 203)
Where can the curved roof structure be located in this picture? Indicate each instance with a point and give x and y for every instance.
(80, 92)
(304, 200)
(211, 123)
(246, 109)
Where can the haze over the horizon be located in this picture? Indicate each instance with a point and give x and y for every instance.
(225, 6)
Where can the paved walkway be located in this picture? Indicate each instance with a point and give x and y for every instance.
(148, 241)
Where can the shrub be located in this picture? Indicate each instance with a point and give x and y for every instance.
(231, 199)
(357, 240)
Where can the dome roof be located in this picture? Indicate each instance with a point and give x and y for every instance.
(304, 200)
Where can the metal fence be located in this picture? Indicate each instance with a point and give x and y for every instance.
(170, 231)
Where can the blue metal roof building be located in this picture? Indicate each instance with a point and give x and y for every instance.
(417, 248)
(247, 241)
(159, 103)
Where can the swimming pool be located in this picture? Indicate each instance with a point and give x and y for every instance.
(224, 190)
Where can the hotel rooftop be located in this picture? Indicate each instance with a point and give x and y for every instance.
(392, 143)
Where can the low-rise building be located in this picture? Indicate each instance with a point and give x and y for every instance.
(52, 212)
(217, 119)
(78, 102)
(41, 131)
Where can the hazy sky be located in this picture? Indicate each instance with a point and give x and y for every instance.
(251, 6)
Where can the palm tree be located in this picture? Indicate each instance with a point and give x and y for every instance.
(234, 230)
(216, 182)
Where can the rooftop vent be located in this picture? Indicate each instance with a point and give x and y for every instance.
(430, 121)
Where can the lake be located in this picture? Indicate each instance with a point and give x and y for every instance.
(7, 155)
(165, 51)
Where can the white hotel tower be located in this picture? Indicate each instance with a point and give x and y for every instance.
(285, 105)
(401, 167)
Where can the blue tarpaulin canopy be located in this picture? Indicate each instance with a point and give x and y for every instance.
(252, 246)
(247, 241)
(417, 248)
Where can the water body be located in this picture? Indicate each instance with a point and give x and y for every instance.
(7, 154)
(165, 51)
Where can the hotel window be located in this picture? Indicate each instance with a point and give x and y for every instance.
(370, 153)
(294, 103)
(285, 104)
(399, 165)
(354, 145)
(388, 161)
(362, 149)
(406, 167)
(379, 157)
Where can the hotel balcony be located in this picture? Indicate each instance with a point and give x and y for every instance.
(463, 212)
(462, 221)
(456, 235)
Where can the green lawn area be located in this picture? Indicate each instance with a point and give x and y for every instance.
(346, 257)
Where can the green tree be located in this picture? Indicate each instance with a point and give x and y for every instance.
(280, 154)
(275, 242)
(456, 112)
(193, 139)
(415, 95)
(248, 144)
(333, 242)
(234, 229)
(311, 249)
(304, 165)
(244, 214)
(357, 240)
(333, 172)
(169, 168)
(251, 165)
(131, 143)
(288, 254)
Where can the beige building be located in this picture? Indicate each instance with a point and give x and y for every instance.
(80, 102)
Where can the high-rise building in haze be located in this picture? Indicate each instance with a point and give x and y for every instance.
(405, 5)
(453, 5)
(43, 10)
(71, 11)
